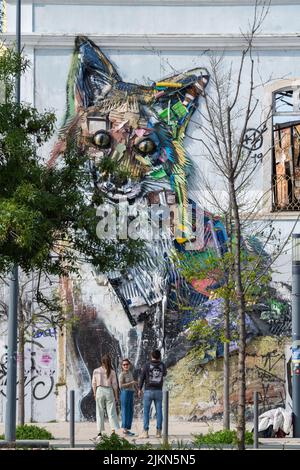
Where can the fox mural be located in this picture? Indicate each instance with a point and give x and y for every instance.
(134, 138)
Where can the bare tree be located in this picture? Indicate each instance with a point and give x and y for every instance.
(226, 122)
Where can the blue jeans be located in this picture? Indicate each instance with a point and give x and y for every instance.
(127, 408)
(156, 396)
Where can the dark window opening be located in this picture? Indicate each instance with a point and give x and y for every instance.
(286, 150)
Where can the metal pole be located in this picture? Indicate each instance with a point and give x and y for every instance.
(296, 334)
(18, 48)
(29, 443)
(72, 418)
(166, 416)
(11, 387)
(226, 373)
(255, 437)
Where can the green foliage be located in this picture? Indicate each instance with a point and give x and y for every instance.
(29, 431)
(224, 437)
(11, 64)
(220, 270)
(48, 213)
(203, 335)
(115, 442)
(109, 166)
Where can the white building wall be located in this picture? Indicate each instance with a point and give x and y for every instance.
(40, 375)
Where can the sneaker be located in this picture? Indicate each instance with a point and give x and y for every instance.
(145, 435)
(158, 433)
(129, 433)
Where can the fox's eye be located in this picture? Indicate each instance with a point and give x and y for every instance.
(102, 139)
(146, 147)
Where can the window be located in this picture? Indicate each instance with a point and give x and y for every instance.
(286, 149)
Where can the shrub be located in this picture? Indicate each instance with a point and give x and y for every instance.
(115, 442)
(29, 431)
(220, 437)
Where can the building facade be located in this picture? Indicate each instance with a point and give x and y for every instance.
(146, 41)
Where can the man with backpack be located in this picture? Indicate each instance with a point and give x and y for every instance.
(153, 377)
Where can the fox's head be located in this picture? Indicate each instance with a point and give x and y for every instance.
(132, 133)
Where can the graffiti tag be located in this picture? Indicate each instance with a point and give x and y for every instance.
(42, 381)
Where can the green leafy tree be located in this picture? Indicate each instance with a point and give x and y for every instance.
(48, 213)
(220, 271)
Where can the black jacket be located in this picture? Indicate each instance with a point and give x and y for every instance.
(153, 375)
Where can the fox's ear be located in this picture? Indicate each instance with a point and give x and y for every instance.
(90, 77)
(177, 96)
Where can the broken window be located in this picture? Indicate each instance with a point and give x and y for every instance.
(286, 150)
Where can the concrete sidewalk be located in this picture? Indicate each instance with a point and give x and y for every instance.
(85, 432)
(179, 432)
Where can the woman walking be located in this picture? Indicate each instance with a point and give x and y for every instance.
(105, 388)
(127, 386)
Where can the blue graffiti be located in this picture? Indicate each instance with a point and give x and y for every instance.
(45, 333)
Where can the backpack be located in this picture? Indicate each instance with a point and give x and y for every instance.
(155, 374)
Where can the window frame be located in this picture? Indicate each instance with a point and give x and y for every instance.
(270, 91)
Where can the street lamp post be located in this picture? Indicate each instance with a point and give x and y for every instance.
(18, 47)
(11, 385)
(296, 332)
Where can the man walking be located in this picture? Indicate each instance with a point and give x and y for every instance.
(153, 376)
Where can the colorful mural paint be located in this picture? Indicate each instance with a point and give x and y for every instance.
(140, 131)
(266, 364)
(134, 137)
(3, 16)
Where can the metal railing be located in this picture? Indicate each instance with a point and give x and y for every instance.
(286, 193)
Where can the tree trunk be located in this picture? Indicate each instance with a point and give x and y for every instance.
(21, 386)
(241, 422)
(226, 366)
(226, 369)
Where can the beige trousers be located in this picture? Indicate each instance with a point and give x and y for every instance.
(105, 400)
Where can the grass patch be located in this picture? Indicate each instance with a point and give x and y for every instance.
(224, 437)
(30, 431)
